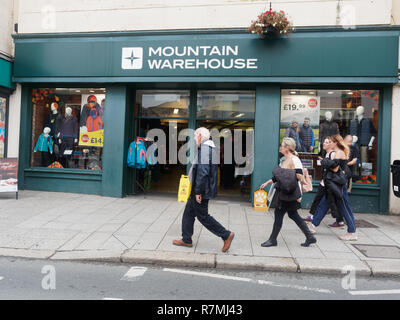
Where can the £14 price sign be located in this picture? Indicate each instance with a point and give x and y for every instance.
(92, 139)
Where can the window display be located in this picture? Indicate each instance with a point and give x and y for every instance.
(163, 104)
(68, 128)
(226, 105)
(309, 116)
(3, 110)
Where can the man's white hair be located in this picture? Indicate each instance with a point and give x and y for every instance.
(204, 132)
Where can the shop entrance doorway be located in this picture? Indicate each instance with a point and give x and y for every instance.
(172, 114)
(161, 116)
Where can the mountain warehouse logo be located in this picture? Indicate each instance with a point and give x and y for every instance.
(132, 58)
(186, 58)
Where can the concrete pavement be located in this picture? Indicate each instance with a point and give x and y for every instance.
(140, 229)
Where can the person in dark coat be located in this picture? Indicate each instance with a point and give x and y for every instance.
(288, 193)
(203, 177)
(306, 135)
(293, 132)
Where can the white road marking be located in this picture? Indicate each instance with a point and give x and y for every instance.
(112, 299)
(294, 287)
(134, 273)
(371, 292)
(204, 274)
(270, 283)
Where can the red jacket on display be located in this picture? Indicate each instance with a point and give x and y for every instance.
(93, 121)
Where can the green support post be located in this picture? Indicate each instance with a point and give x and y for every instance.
(266, 134)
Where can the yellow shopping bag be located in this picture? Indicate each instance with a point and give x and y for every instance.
(260, 200)
(184, 189)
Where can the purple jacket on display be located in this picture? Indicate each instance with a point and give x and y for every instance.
(69, 128)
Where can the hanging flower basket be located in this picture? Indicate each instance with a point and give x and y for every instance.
(270, 23)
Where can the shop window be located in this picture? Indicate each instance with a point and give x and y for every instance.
(68, 128)
(225, 105)
(3, 115)
(309, 116)
(163, 104)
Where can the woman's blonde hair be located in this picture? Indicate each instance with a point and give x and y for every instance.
(290, 144)
(337, 138)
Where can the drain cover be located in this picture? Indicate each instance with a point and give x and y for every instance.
(360, 223)
(377, 251)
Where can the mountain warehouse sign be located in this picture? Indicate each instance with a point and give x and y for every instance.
(186, 58)
(135, 58)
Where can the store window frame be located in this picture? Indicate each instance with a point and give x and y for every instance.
(6, 95)
(253, 91)
(28, 130)
(379, 130)
(160, 90)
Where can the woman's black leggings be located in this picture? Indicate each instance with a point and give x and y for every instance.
(294, 215)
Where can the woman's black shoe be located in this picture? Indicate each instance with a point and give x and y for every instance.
(269, 243)
(309, 240)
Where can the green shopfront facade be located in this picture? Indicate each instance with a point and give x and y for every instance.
(120, 65)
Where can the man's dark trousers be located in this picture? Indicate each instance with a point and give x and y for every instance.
(194, 209)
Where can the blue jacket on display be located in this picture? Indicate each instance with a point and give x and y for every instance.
(44, 144)
(137, 155)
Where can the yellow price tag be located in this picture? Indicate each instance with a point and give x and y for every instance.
(93, 139)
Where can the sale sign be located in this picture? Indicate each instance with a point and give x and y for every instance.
(92, 139)
(299, 107)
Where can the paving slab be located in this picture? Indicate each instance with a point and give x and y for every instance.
(25, 253)
(256, 263)
(332, 266)
(89, 255)
(386, 267)
(183, 259)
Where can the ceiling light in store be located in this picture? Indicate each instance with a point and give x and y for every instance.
(91, 91)
(239, 115)
(176, 111)
(350, 92)
(77, 90)
(292, 92)
(311, 92)
(330, 92)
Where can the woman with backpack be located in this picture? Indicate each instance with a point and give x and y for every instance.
(287, 179)
(336, 179)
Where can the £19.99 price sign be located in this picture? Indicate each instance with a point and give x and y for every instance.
(299, 107)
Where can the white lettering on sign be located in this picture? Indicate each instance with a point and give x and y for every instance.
(192, 58)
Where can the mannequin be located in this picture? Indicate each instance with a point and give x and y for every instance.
(327, 128)
(53, 120)
(69, 133)
(363, 131)
(45, 146)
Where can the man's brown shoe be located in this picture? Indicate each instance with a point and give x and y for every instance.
(181, 243)
(227, 242)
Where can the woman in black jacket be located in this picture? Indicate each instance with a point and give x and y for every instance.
(339, 166)
(288, 193)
